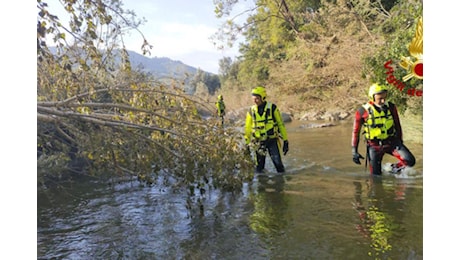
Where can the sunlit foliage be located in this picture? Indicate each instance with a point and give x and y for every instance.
(315, 53)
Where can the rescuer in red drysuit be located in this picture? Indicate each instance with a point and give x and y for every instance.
(382, 131)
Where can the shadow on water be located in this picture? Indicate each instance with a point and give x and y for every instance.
(324, 207)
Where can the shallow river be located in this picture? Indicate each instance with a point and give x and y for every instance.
(325, 207)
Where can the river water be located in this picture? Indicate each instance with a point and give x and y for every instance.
(324, 207)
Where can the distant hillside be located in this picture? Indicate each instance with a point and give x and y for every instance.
(166, 70)
(160, 66)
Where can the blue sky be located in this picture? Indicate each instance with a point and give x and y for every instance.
(177, 29)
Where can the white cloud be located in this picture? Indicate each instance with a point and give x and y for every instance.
(177, 39)
(180, 30)
(187, 42)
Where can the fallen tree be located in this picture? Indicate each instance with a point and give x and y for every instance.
(100, 117)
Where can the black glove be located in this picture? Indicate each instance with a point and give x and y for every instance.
(285, 147)
(356, 155)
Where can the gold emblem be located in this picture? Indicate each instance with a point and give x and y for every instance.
(415, 68)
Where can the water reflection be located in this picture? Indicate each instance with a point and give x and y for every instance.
(271, 183)
(379, 213)
(270, 206)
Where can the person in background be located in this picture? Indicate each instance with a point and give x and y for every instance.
(264, 126)
(220, 108)
(382, 131)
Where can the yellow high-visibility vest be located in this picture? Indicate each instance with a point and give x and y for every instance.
(379, 125)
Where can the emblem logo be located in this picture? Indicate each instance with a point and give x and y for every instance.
(415, 68)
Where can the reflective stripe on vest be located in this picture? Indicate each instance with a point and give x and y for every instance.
(263, 126)
(379, 125)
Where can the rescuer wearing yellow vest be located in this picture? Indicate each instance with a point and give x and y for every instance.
(220, 107)
(264, 126)
(382, 131)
